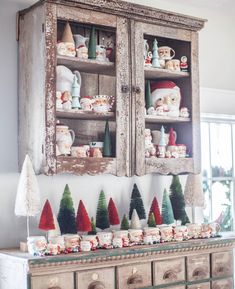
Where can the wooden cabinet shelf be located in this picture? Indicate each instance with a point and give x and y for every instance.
(87, 65)
(158, 73)
(166, 166)
(165, 119)
(89, 165)
(81, 114)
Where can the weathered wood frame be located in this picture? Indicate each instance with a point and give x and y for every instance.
(129, 112)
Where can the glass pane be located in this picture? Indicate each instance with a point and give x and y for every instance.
(221, 149)
(222, 204)
(205, 148)
(207, 198)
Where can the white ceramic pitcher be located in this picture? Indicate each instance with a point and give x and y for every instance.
(64, 139)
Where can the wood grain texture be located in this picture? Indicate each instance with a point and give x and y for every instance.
(165, 119)
(81, 114)
(169, 271)
(31, 88)
(158, 73)
(50, 88)
(134, 276)
(198, 267)
(222, 284)
(81, 166)
(122, 98)
(90, 278)
(62, 281)
(204, 285)
(222, 264)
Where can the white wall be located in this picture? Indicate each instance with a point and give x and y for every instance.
(215, 73)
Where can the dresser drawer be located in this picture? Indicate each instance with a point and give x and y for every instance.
(223, 284)
(134, 276)
(205, 285)
(59, 281)
(168, 271)
(175, 287)
(96, 279)
(198, 267)
(222, 264)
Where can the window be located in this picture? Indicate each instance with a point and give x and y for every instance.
(218, 170)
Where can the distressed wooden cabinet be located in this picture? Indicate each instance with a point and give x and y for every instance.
(127, 25)
(169, 265)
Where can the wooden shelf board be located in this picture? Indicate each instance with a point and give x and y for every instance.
(89, 165)
(166, 166)
(87, 65)
(81, 114)
(159, 73)
(165, 119)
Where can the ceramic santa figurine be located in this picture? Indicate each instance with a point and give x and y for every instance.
(67, 45)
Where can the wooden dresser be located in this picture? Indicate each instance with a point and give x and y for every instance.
(198, 264)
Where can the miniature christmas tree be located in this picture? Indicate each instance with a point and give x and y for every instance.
(102, 217)
(66, 215)
(167, 212)
(93, 227)
(177, 201)
(156, 211)
(113, 213)
(148, 96)
(124, 223)
(155, 59)
(55, 232)
(107, 151)
(83, 220)
(137, 203)
(162, 137)
(171, 141)
(135, 221)
(46, 222)
(92, 44)
(76, 93)
(27, 201)
(151, 220)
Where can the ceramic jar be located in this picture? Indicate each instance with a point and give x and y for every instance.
(180, 233)
(71, 242)
(194, 230)
(64, 139)
(166, 233)
(123, 234)
(154, 232)
(135, 236)
(92, 239)
(105, 239)
(37, 245)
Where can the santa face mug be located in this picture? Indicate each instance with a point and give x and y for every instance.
(37, 245)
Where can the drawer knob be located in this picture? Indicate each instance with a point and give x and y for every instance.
(135, 279)
(170, 275)
(136, 89)
(96, 285)
(125, 88)
(199, 273)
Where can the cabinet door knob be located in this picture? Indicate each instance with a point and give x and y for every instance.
(96, 285)
(136, 89)
(125, 88)
(135, 279)
(170, 275)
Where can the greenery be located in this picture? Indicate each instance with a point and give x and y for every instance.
(102, 215)
(151, 220)
(137, 203)
(167, 212)
(125, 223)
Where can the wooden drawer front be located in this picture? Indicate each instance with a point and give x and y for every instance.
(198, 267)
(222, 264)
(170, 271)
(205, 285)
(175, 287)
(96, 279)
(58, 281)
(223, 284)
(134, 276)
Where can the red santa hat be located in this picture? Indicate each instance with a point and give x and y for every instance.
(164, 84)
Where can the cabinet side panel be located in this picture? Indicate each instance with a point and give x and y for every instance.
(195, 104)
(123, 98)
(31, 87)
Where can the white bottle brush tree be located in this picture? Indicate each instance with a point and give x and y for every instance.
(27, 201)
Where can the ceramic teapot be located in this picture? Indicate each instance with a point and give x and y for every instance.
(64, 139)
(65, 77)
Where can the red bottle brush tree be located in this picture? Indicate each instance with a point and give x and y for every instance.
(83, 220)
(113, 213)
(46, 222)
(156, 211)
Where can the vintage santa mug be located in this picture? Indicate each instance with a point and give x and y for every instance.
(180, 233)
(71, 242)
(117, 242)
(148, 240)
(37, 245)
(154, 232)
(86, 103)
(80, 151)
(194, 230)
(101, 53)
(105, 239)
(64, 139)
(92, 239)
(166, 233)
(166, 52)
(136, 236)
(123, 234)
(173, 64)
(59, 241)
(85, 246)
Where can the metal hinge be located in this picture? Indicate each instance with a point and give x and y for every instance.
(43, 27)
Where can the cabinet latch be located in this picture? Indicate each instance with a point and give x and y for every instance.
(125, 88)
(136, 89)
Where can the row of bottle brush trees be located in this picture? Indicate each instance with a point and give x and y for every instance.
(172, 209)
